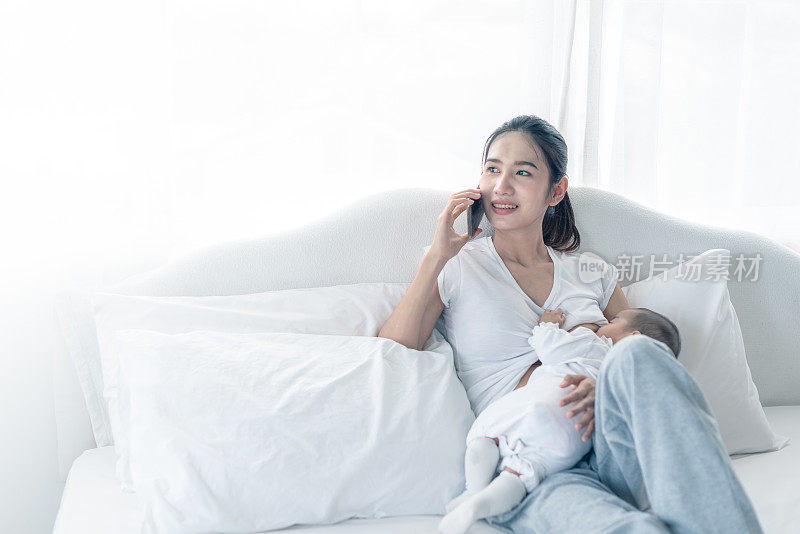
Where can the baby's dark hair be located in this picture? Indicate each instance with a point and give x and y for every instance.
(655, 325)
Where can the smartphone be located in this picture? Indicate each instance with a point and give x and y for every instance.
(474, 216)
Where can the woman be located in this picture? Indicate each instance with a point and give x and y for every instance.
(657, 446)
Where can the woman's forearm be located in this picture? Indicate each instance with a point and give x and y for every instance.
(406, 322)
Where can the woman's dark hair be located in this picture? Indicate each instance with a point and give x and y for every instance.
(558, 230)
(657, 326)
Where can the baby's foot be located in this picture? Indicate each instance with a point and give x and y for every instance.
(458, 521)
(452, 505)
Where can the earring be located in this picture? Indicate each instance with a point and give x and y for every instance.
(550, 211)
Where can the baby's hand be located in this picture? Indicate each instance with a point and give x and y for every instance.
(553, 316)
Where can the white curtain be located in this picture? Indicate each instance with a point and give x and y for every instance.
(132, 132)
(690, 107)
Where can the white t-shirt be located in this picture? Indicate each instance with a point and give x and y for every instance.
(488, 318)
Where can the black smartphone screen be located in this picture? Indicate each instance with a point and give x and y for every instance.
(474, 216)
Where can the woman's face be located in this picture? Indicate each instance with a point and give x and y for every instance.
(516, 173)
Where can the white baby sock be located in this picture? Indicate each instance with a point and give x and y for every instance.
(504, 492)
(480, 464)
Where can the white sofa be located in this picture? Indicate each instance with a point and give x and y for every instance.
(380, 239)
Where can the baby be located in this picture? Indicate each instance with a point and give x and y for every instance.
(526, 429)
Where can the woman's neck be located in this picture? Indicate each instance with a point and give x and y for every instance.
(526, 251)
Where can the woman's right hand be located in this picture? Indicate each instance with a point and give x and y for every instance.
(446, 242)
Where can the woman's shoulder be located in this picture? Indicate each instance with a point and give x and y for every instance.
(475, 250)
(480, 244)
(585, 267)
(584, 272)
(586, 260)
(571, 258)
(474, 247)
(564, 254)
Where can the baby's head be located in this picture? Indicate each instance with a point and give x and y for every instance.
(642, 321)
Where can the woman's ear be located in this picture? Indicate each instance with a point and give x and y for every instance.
(560, 189)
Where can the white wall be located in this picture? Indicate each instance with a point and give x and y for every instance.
(29, 488)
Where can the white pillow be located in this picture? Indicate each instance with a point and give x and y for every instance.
(695, 297)
(358, 309)
(248, 432)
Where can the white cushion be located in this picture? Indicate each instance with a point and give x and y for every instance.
(694, 295)
(358, 309)
(235, 432)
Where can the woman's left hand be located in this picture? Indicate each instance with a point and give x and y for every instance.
(584, 395)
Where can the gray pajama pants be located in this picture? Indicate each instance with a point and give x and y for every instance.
(658, 462)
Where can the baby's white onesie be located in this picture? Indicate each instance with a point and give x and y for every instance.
(535, 436)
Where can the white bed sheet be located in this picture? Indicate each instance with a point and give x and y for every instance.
(93, 502)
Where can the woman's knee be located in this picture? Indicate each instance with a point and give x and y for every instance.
(633, 353)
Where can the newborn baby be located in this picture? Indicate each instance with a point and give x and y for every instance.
(526, 429)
